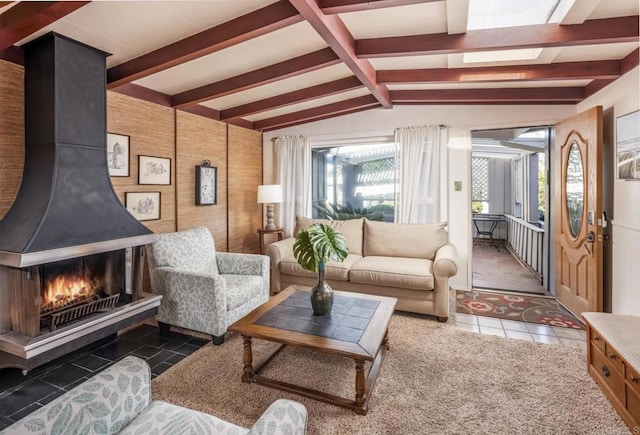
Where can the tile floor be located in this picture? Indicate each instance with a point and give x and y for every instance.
(20, 395)
(522, 331)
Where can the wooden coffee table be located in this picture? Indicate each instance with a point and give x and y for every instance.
(356, 329)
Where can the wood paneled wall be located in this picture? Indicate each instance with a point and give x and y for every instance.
(11, 132)
(160, 131)
(151, 131)
(245, 174)
(199, 139)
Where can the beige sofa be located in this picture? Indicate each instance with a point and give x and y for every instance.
(410, 262)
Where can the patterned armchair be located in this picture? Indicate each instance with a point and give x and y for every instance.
(203, 290)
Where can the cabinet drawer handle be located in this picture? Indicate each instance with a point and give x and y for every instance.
(612, 356)
(634, 379)
(606, 371)
(596, 338)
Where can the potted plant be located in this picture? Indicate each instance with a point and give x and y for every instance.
(312, 249)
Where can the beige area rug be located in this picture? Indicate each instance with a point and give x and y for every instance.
(435, 379)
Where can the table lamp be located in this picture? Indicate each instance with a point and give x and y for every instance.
(270, 194)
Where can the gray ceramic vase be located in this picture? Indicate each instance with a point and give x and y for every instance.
(321, 295)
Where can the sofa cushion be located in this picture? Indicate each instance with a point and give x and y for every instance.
(333, 270)
(409, 273)
(242, 289)
(387, 239)
(163, 418)
(351, 230)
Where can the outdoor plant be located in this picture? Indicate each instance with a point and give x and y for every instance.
(318, 244)
(336, 212)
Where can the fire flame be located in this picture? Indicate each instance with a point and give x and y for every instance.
(65, 289)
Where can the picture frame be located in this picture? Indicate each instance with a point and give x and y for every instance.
(154, 170)
(206, 184)
(628, 146)
(144, 206)
(118, 152)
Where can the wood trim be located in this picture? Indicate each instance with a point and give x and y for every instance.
(608, 69)
(262, 76)
(142, 93)
(306, 94)
(28, 17)
(239, 122)
(315, 113)
(489, 96)
(262, 21)
(601, 31)
(13, 54)
(201, 110)
(335, 33)
(343, 6)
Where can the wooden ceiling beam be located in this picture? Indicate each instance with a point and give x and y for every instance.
(607, 69)
(595, 86)
(293, 97)
(335, 33)
(343, 6)
(601, 31)
(13, 54)
(268, 19)
(142, 93)
(269, 74)
(315, 113)
(489, 96)
(3, 4)
(203, 111)
(630, 61)
(28, 17)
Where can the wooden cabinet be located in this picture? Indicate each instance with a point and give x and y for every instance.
(615, 367)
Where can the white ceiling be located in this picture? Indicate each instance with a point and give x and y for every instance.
(129, 29)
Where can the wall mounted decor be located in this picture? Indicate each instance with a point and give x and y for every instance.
(628, 146)
(154, 170)
(144, 206)
(206, 183)
(118, 154)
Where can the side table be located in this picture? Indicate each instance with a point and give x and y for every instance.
(279, 231)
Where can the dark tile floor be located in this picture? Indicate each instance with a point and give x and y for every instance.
(20, 395)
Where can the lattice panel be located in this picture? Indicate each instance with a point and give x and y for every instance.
(479, 179)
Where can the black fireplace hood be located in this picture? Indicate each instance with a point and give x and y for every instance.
(66, 206)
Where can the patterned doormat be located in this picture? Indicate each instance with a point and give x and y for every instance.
(531, 309)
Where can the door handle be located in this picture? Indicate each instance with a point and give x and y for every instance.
(605, 371)
(591, 238)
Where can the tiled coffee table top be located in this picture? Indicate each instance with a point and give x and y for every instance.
(347, 322)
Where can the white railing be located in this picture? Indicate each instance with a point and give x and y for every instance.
(527, 242)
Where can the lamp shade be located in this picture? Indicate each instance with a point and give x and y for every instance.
(270, 194)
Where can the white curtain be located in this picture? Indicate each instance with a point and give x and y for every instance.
(293, 160)
(418, 173)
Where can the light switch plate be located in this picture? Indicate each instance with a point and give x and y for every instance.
(457, 186)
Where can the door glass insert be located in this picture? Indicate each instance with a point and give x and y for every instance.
(575, 189)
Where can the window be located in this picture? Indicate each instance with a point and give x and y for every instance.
(353, 181)
(480, 185)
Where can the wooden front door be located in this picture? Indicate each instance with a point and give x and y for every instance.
(578, 199)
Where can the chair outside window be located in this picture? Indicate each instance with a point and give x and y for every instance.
(203, 290)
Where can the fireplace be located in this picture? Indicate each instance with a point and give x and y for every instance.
(71, 255)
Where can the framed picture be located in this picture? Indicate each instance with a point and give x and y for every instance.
(154, 170)
(144, 206)
(206, 180)
(118, 155)
(628, 146)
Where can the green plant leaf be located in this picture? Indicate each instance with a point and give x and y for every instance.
(318, 244)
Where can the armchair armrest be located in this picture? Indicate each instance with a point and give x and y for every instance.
(106, 403)
(242, 264)
(445, 261)
(282, 416)
(276, 252)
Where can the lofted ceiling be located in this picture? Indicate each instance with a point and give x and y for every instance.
(269, 64)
